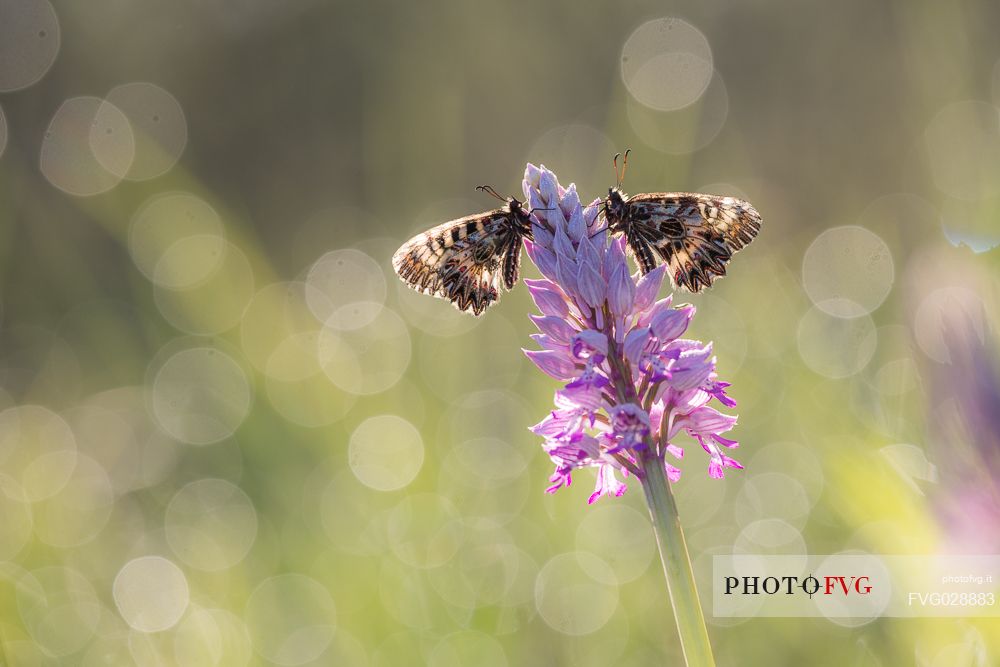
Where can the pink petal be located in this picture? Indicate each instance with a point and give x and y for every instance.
(635, 343)
(547, 297)
(553, 363)
(556, 327)
(648, 287)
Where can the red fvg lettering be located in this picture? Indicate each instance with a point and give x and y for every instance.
(855, 583)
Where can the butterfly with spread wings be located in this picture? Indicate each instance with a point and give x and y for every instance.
(694, 234)
(466, 260)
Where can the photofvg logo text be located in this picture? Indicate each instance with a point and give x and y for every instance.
(830, 585)
(857, 587)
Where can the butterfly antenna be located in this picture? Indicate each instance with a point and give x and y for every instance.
(618, 178)
(624, 166)
(488, 189)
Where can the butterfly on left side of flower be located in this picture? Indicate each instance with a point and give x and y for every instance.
(466, 260)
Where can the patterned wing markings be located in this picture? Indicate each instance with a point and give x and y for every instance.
(694, 234)
(467, 260)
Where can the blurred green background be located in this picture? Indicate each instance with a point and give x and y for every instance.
(229, 435)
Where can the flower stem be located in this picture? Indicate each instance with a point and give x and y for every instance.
(676, 564)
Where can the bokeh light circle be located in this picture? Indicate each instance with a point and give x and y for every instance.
(37, 449)
(151, 593)
(436, 317)
(772, 495)
(897, 377)
(211, 524)
(483, 572)
(147, 648)
(291, 618)
(483, 471)
(79, 510)
(348, 289)
(354, 516)
(200, 395)
(385, 452)
(576, 593)
(486, 414)
(294, 358)
(604, 648)
(425, 530)
(296, 385)
(48, 474)
(15, 517)
(621, 537)
(404, 593)
(87, 147)
(59, 608)
(686, 130)
(795, 460)
(112, 139)
(158, 127)
(482, 497)
(833, 346)
(847, 271)
(368, 359)
(117, 430)
(275, 313)
(346, 649)
(159, 244)
(110, 647)
(311, 401)
(110, 439)
(666, 64)
(212, 637)
(770, 537)
(214, 305)
(489, 462)
(698, 498)
(29, 42)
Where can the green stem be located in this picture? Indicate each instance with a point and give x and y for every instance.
(676, 564)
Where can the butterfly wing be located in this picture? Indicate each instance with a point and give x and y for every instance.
(694, 234)
(464, 261)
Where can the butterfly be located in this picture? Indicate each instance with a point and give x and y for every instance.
(466, 260)
(694, 234)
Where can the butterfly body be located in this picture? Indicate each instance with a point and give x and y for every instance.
(694, 234)
(466, 260)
